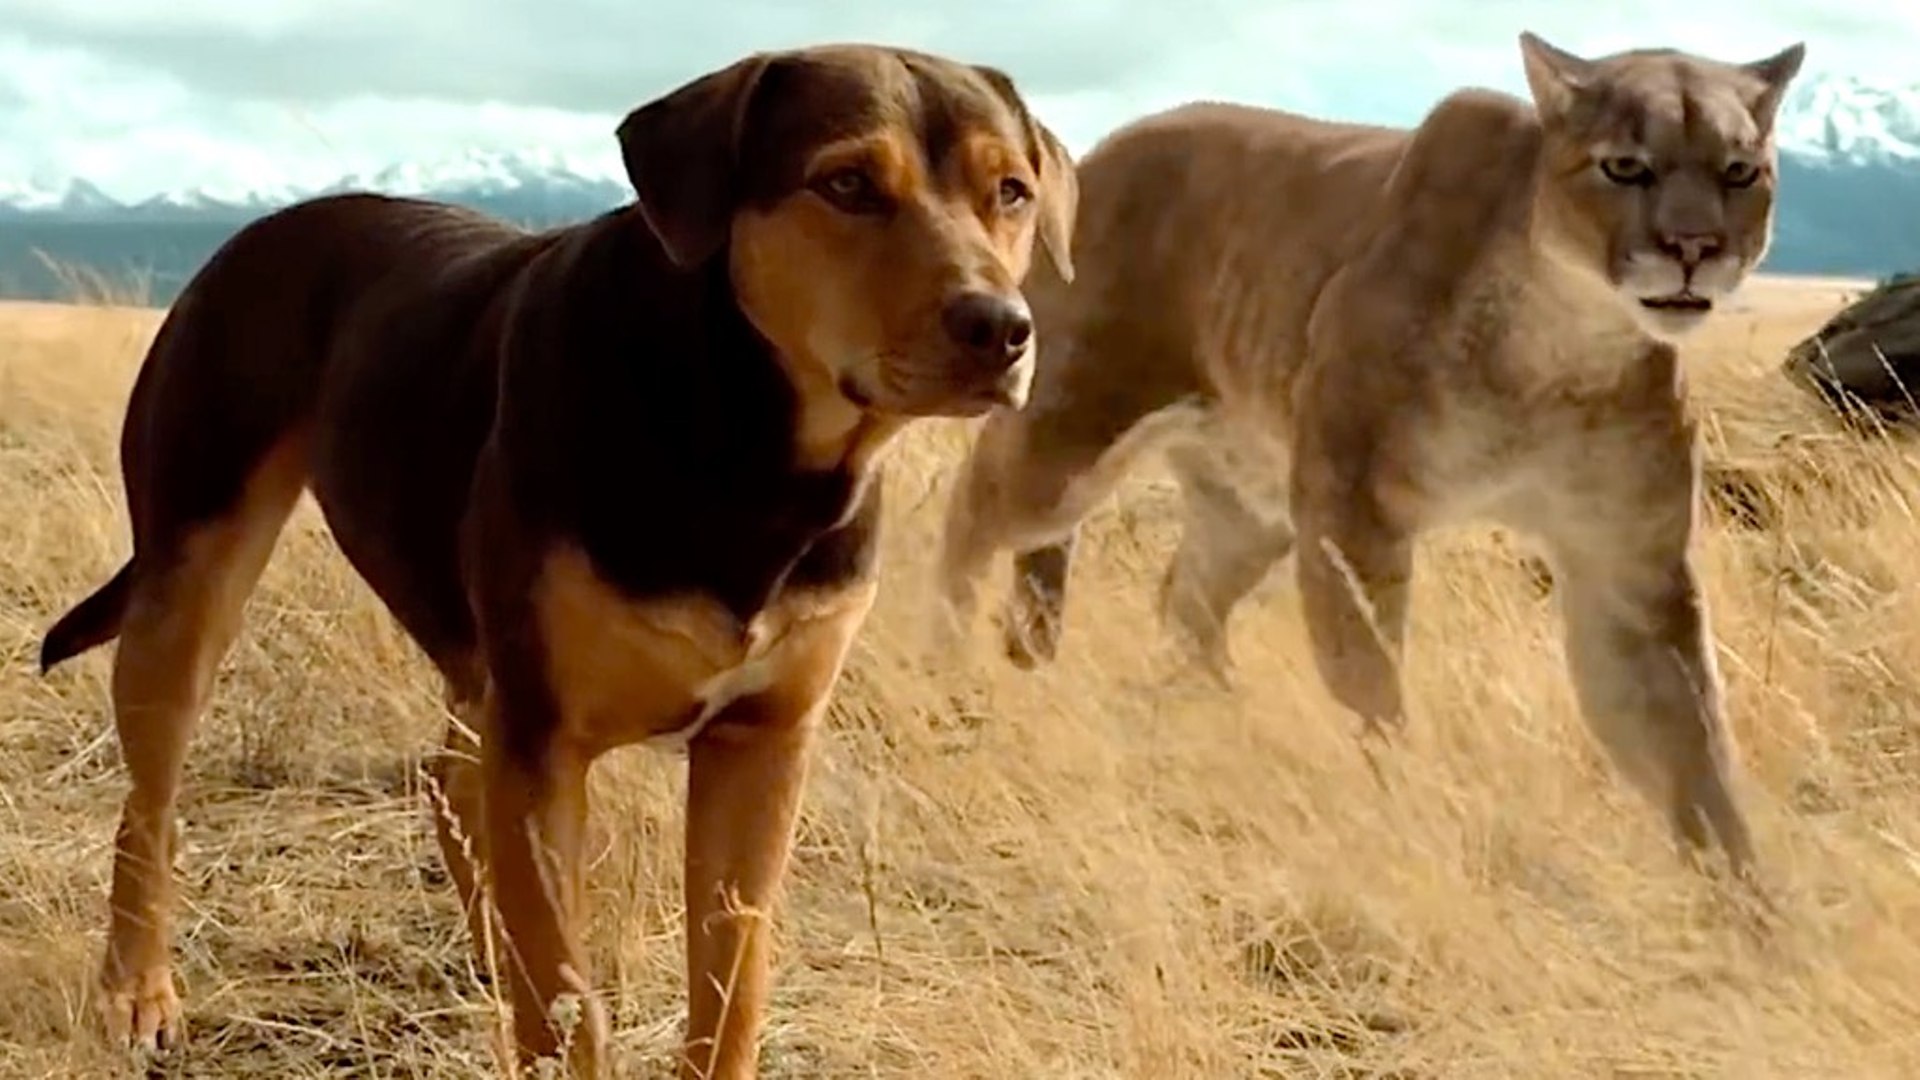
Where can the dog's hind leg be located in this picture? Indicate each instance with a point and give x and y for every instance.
(183, 610)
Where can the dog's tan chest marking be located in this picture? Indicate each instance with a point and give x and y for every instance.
(658, 671)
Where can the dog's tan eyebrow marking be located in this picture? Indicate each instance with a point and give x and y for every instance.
(857, 150)
(987, 156)
(892, 164)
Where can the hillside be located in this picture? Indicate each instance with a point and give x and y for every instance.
(1101, 870)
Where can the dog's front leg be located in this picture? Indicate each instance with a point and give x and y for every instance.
(743, 793)
(745, 774)
(536, 810)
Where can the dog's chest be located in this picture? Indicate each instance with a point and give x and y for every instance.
(659, 670)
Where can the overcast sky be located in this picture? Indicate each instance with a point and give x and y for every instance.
(144, 95)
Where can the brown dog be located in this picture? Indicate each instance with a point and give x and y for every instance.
(616, 480)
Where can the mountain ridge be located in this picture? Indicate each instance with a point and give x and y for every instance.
(1826, 120)
(1849, 202)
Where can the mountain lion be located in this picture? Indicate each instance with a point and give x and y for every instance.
(1343, 335)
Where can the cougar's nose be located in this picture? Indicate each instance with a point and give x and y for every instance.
(1691, 248)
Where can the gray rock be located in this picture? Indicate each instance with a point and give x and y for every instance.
(1868, 354)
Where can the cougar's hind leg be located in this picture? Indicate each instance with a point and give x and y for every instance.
(1227, 547)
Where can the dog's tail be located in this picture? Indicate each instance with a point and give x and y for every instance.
(93, 621)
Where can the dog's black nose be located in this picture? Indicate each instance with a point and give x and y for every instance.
(993, 328)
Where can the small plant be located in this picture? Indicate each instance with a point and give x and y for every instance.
(566, 1012)
(90, 285)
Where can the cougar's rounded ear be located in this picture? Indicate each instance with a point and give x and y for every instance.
(1059, 194)
(682, 158)
(1554, 75)
(1774, 74)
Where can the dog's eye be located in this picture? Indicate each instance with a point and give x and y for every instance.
(1630, 171)
(850, 189)
(1013, 193)
(1739, 174)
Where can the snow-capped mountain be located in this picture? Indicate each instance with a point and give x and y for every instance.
(1842, 120)
(541, 176)
(1828, 121)
(485, 172)
(158, 242)
(216, 199)
(27, 198)
(82, 197)
(1849, 198)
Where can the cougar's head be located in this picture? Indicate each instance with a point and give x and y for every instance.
(1659, 172)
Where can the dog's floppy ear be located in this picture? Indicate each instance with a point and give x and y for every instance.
(1059, 194)
(1059, 197)
(682, 157)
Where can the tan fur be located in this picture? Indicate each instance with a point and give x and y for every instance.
(1346, 335)
(741, 701)
(627, 672)
(750, 765)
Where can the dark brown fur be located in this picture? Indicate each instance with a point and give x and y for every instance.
(616, 480)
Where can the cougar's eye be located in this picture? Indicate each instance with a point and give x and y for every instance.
(1739, 174)
(1014, 193)
(1627, 170)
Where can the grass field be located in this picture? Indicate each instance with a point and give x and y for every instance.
(1099, 870)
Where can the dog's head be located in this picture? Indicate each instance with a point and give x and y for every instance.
(878, 208)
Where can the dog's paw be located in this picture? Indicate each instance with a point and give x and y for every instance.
(141, 1011)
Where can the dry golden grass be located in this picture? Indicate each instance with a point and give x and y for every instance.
(1095, 871)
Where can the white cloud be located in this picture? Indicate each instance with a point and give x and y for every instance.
(140, 95)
